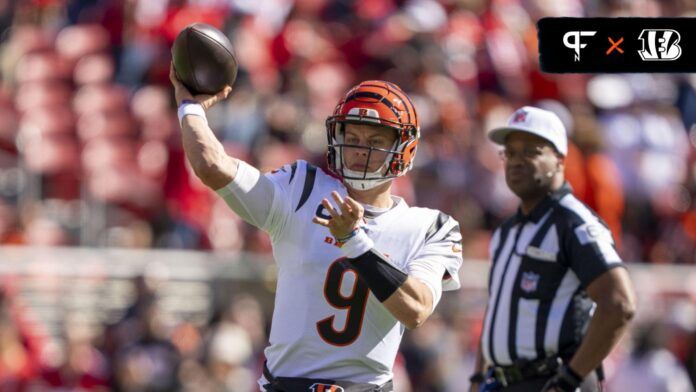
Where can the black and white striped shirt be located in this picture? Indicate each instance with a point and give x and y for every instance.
(542, 264)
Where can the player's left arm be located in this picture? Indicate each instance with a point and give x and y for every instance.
(411, 303)
(411, 297)
(431, 271)
(414, 301)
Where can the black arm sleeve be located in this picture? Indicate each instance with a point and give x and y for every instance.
(381, 277)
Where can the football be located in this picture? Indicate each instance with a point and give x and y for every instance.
(204, 59)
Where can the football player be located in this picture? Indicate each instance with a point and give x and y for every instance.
(356, 264)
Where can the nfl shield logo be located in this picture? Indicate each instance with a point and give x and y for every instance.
(520, 116)
(529, 283)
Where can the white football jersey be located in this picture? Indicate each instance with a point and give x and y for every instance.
(326, 323)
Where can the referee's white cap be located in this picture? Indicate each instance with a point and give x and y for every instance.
(540, 122)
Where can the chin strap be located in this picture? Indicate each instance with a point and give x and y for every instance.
(363, 185)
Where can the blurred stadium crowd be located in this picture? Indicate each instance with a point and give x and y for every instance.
(90, 153)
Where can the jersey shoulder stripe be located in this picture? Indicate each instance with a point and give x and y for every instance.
(440, 221)
(443, 228)
(310, 177)
(293, 169)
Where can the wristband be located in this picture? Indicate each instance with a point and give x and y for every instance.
(340, 241)
(357, 244)
(189, 107)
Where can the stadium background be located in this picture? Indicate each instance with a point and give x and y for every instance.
(103, 283)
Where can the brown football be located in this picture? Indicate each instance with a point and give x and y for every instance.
(204, 59)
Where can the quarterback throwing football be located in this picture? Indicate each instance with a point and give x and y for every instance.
(356, 265)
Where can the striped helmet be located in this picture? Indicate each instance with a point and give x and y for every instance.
(374, 102)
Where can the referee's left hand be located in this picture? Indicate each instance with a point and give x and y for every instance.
(561, 383)
(344, 220)
(548, 388)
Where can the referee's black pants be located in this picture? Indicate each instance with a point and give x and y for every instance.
(590, 384)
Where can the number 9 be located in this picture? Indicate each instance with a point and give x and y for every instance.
(354, 303)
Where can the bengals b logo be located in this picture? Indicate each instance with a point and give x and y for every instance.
(660, 45)
(317, 387)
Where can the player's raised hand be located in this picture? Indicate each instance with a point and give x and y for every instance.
(344, 220)
(181, 93)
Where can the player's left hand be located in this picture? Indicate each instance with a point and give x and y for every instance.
(344, 220)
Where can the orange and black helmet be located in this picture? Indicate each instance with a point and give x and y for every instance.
(374, 102)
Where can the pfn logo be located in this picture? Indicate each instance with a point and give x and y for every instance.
(659, 45)
(575, 44)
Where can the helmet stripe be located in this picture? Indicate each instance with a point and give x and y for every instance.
(408, 99)
(378, 97)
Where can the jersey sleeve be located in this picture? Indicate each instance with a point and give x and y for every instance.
(260, 199)
(590, 251)
(437, 264)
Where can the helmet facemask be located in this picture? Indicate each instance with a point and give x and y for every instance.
(362, 179)
(377, 104)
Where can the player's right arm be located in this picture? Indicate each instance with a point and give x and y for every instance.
(253, 196)
(205, 153)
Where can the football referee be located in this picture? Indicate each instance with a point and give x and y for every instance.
(557, 303)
